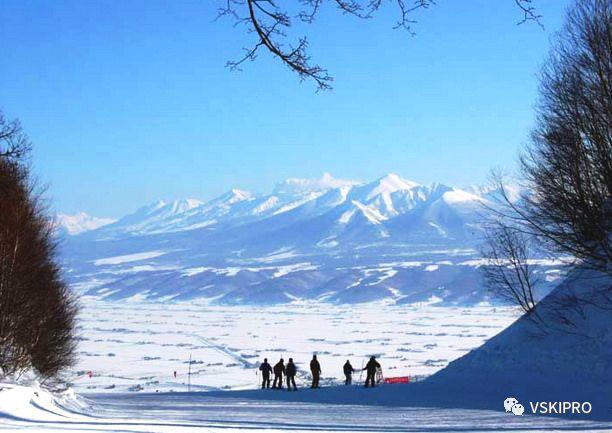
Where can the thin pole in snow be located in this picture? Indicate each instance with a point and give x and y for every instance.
(361, 372)
(189, 375)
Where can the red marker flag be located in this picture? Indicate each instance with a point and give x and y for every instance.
(401, 379)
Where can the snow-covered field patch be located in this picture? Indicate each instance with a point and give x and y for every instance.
(139, 345)
(128, 258)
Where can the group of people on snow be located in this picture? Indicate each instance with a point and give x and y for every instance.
(290, 370)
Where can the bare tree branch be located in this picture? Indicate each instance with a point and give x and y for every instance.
(14, 143)
(269, 22)
(529, 12)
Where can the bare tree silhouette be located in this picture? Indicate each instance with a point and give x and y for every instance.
(269, 21)
(566, 208)
(509, 273)
(37, 312)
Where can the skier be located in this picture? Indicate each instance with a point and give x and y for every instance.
(265, 369)
(279, 370)
(348, 372)
(371, 367)
(315, 370)
(290, 372)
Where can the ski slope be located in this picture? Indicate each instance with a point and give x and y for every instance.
(31, 409)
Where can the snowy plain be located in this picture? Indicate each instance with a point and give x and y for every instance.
(139, 345)
(133, 348)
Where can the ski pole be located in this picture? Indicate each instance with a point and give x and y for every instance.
(361, 373)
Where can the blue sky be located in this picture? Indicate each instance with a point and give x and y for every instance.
(129, 102)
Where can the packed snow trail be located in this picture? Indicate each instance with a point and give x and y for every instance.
(225, 351)
(29, 409)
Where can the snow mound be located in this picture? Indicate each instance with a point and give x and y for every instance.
(563, 354)
(32, 403)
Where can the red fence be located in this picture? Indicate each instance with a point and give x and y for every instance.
(401, 379)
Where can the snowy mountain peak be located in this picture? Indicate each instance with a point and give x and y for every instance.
(179, 206)
(151, 207)
(308, 205)
(162, 208)
(460, 196)
(297, 186)
(81, 222)
(393, 182)
(390, 194)
(234, 195)
(147, 209)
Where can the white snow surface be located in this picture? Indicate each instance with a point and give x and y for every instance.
(128, 258)
(132, 350)
(37, 410)
(561, 352)
(141, 344)
(305, 186)
(81, 222)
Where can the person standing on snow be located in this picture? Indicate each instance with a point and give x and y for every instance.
(266, 370)
(372, 366)
(348, 372)
(279, 370)
(290, 372)
(315, 370)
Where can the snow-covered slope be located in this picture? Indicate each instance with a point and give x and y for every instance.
(33, 409)
(563, 352)
(325, 239)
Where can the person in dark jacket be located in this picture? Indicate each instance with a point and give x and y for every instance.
(371, 367)
(266, 370)
(290, 372)
(315, 370)
(348, 372)
(279, 370)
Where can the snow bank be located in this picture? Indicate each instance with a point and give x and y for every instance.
(29, 403)
(546, 360)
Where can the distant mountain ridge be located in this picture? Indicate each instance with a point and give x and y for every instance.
(321, 239)
(80, 222)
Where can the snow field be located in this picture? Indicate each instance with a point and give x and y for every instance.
(137, 346)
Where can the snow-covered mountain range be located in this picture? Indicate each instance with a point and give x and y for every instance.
(80, 222)
(318, 239)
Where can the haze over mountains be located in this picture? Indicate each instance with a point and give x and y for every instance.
(321, 239)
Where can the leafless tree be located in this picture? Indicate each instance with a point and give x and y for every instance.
(509, 273)
(270, 20)
(37, 312)
(568, 165)
(566, 170)
(569, 162)
(14, 143)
